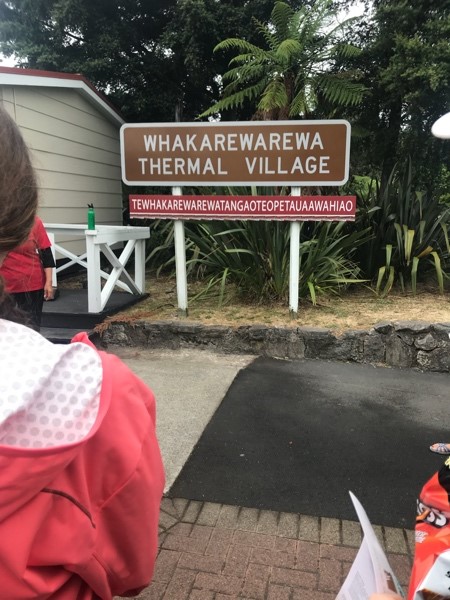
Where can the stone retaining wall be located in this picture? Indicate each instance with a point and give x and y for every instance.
(407, 344)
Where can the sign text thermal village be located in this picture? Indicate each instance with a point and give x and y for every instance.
(212, 146)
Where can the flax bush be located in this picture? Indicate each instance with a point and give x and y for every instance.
(254, 256)
(409, 233)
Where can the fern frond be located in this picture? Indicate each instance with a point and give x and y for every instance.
(318, 20)
(246, 74)
(240, 59)
(343, 26)
(299, 105)
(223, 104)
(347, 50)
(235, 99)
(340, 90)
(246, 59)
(268, 36)
(288, 51)
(237, 43)
(249, 92)
(281, 15)
(274, 96)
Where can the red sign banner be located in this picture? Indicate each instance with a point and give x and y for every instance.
(270, 208)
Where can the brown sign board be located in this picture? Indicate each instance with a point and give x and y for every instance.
(294, 153)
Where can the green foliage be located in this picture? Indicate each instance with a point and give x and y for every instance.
(410, 232)
(159, 246)
(291, 73)
(443, 189)
(155, 59)
(389, 75)
(254, 256)
(405, 64)
(326, 265)
(113, 44)
(151, 57)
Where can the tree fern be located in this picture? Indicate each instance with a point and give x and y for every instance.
(293, 69)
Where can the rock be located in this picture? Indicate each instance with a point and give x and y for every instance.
(404, 344)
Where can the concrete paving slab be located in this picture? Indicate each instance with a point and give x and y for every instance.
(189, 385)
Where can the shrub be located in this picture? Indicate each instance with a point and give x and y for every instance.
(409, 232)
(254, 256)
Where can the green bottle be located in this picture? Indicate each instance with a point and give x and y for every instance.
(91, 216)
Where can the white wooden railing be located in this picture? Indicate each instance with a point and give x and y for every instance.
(100, 240)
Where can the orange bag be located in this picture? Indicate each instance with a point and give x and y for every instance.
(430, 578)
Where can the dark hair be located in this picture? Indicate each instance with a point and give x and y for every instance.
(18, 187)
(9, 309)
(18, 200)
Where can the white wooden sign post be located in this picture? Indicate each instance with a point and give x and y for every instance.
(264, 153)
(294, 261)
(180, 261)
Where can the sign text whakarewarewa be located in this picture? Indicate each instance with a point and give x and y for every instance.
(294, 153)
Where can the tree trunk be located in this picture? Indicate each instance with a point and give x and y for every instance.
(391, 136)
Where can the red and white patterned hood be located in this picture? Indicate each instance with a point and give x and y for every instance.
(49, 393)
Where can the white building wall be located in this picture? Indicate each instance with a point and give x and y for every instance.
(75, 151)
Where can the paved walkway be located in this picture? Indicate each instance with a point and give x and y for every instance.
(188, 385)
(219, 552)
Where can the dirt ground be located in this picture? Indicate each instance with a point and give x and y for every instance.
(356, 309)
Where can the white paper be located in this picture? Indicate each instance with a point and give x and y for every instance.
(370, 572)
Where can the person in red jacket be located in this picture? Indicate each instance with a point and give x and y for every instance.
(27, 271)
(81, 476)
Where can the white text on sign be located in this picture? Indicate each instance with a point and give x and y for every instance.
(294, 208)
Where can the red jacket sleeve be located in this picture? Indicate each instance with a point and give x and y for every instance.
(40, 235)
(124, 477)
(129, 461)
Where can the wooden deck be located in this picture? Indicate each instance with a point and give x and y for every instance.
(68, 314)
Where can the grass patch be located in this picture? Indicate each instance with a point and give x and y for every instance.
(357, 308)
